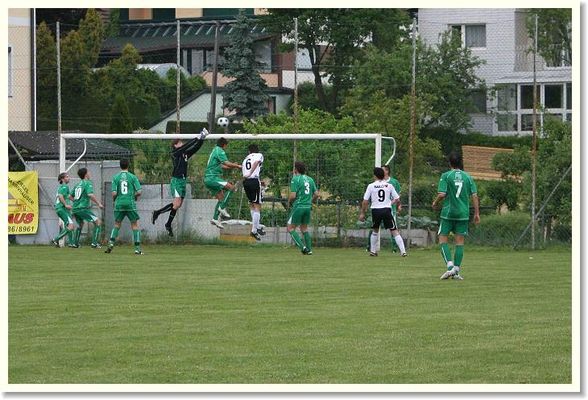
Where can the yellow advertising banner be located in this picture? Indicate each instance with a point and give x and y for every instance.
(23, 202)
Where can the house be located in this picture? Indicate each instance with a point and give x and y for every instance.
(21, 112)
(499, 37)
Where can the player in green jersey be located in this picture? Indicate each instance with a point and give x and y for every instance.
(303, 192)
(455, 189)
(126, 189)
(214, 182)
(82, 195)
(63, 209)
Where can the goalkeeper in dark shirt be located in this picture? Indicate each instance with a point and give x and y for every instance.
(180, 153)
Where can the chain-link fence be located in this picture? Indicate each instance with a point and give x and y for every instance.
(105, 76)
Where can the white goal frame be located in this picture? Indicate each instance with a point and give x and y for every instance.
(376, 137)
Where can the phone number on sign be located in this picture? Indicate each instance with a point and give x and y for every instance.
(21, 229)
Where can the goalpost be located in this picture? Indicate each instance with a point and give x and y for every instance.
(376, 137)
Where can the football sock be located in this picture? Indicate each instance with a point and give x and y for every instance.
(400, 243)
(223, 203)
(61, 234)
(97, 230)
(77, 235)
(137, 238)
(307, 240)
(172, 215)
(297, 240)
(446, 253)
(374, 242)
(215, 216)
(458, 254)
(166, 208)
(369, 240)
(114, 234)
(70, 237)
(256, 218)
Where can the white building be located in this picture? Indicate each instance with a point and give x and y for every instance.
(499, 36)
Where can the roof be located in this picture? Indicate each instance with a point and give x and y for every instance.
(150, 37)
(45, 146)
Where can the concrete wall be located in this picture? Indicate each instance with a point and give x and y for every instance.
(20, 70)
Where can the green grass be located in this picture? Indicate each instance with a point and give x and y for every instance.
(261, 314)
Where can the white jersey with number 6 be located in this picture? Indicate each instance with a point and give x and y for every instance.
(381, 194)
(248, 164)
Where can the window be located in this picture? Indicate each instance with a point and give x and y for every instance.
(507, 122)
(9, 71)
(553, 96)
(507, 97)
(271, 105)
(478, 101)
(472, 36)
(164, 14)
(527, 122)
(568, 96)
(225, 12)
(527, 96)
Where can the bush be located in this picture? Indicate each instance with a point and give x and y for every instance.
(499, 230)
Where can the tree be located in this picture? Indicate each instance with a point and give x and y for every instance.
(246, 94)
(445, 78)
(46, 79)
(335, 39)
(554, 39)
(120, 116)
(92, 34)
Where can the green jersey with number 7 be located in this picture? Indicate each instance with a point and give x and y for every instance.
(458, 187)
(304, 187)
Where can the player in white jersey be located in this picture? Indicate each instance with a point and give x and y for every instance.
(251, 169)
(382, 195)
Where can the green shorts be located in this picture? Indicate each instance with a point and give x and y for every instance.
(85, 215)
(177, 187)
(299, 216)
(132, 215)
(65, 216)
(214, 184)
(458, 227)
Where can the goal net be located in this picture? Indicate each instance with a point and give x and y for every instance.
(341, 165)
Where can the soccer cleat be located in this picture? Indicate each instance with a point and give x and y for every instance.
(109, 249)
(457, 277)
(447, 274)
(404, 254)
(305, 250)
(372, 254)
(55, 243)
(169, 230)
(223, 213)
(256, 236)
(261, 231)
(154, 216)
(138, 252)
(73, 246)
(217, 223)
(203, 133)
(96, 245)
(309, 253)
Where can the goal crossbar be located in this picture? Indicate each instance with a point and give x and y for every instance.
(376, 137)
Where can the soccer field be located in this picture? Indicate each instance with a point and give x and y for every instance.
(266, 314)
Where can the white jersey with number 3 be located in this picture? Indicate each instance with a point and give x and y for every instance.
(381, 194)
(248, 164)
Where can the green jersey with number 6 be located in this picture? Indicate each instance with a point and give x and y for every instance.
(81, 194)
(125, 185)
(458, 186)
(304, 187)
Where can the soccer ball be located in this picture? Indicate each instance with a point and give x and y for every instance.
(223, 121)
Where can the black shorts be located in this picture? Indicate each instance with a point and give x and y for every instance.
(383, 215)
(252, 190)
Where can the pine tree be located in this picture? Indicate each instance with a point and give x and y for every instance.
(120, 116)
(246, 94)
